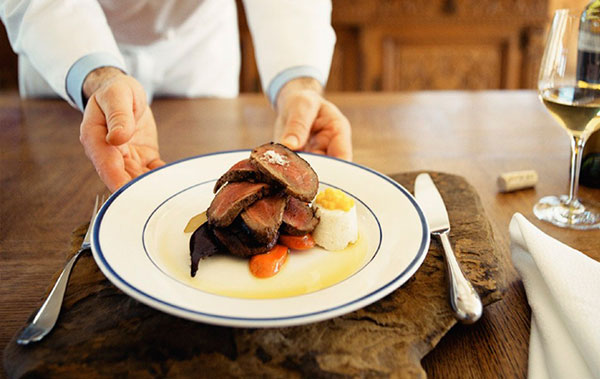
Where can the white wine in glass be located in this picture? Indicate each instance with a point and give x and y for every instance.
(575, 108)
(569, 87)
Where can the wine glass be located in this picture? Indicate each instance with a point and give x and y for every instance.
(569, 87)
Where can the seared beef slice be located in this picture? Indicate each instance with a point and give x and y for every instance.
(238, 241)
(243, 171)
(263, 218)
(283, 166)
(298, 218)
(232, 199)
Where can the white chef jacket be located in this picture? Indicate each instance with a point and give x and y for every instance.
(186, 48)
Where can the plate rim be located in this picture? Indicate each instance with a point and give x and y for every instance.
(297, 319)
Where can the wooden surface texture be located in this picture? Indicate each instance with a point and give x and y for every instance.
(47, 187)
(102, 332)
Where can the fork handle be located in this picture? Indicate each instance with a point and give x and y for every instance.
(47, 315)
(463, 298)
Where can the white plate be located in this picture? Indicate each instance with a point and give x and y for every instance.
(146, 217)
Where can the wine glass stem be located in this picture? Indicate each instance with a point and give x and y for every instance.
(577, 144)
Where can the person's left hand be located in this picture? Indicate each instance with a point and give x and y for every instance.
(307, 121)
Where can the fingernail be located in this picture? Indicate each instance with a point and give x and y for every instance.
(291, 141)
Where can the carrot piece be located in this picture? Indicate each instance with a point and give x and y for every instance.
(297, 242)
(268, 264)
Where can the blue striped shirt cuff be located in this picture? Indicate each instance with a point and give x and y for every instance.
(292, 73)
(80, 70)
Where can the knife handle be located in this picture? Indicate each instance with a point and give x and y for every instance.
(463, 298)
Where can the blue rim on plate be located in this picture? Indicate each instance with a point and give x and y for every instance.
(296, 319)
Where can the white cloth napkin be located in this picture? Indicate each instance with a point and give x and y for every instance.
(563, 290)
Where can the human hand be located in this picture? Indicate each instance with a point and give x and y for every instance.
(306, 121)
(118, 131)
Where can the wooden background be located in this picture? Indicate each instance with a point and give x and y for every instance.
(389, 45)
(434, 44)
(396, 45)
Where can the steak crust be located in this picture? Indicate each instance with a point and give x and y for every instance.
(282, 165)
(243, 171)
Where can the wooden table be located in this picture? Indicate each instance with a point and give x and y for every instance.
(46, 179)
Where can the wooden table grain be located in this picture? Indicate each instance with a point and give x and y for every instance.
(47, 187)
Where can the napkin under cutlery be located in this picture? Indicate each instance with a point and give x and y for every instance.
(563, 290)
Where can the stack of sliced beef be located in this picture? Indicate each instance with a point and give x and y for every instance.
(256, 200)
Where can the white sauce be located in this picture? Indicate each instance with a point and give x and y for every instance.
(304, 271)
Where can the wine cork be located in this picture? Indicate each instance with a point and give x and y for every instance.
(516, 180)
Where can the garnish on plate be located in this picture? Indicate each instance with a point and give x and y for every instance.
(302, 242)
(268, 264)
(256, 201)
(338, 224)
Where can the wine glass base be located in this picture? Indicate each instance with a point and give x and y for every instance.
(576, 215)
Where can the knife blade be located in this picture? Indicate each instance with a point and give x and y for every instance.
(432, 203)
(464, 300)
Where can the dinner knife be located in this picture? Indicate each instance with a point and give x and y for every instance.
(463, 298)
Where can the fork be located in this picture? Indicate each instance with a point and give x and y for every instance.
(47, 315)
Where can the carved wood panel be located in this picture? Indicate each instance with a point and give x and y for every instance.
(442, 56)
(392, 11)
(441, 67)
(394, 45)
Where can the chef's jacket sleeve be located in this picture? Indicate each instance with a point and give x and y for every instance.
(55, 34)
(292, 38)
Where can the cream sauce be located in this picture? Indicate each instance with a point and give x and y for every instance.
(304, 271)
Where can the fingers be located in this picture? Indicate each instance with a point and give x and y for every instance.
(331, 133)
(116, 102)
(123, 103)
(107, 159)
(314, 124)
(156, 163)
(340, 145)
(134, 168)
(299, 115)
(113, 177)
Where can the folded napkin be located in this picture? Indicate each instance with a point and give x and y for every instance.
(563, 290)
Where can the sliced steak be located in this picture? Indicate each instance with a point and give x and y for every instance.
(238, 240)
(283, 166)
(243, 171)
(263, 217)
(232, 199)
(202, 245)
(298, 218)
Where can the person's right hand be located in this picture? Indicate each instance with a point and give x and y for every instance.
(118, 131)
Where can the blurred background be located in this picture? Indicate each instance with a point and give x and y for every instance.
(392, 45)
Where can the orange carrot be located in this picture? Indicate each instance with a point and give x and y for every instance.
(297, 242)
(268, 264)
